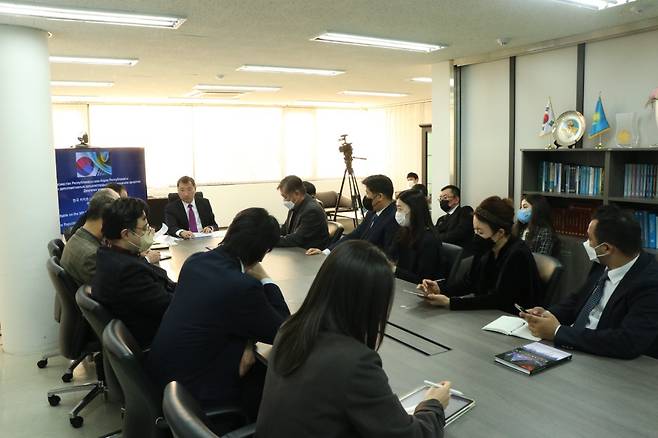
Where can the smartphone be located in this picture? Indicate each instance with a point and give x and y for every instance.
(520, 309)
(167, 257)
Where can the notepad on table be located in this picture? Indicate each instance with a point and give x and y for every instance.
(511, 326)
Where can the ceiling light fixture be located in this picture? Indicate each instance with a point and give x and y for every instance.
(292, 70)
(90, 16)
(423, 79)
(327, 104)
(596, 4)
(144, 100)
(372, 93)
(238, 88)
(81, 84)
(382, 43)
(93, 61)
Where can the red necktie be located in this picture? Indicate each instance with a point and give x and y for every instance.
(191, 218)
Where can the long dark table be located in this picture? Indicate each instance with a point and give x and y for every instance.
(588, 397)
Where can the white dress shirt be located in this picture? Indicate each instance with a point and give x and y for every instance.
(196, 215)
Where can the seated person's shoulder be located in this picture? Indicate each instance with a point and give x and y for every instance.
(467, 209)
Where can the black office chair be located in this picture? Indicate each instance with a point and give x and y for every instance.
(55, 249)
(550, 270)
(450, 257)
(187, 420)
(171, 197)
(336, 230)
(76, 341)
(460, 272)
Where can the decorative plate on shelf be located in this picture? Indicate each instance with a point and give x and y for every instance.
(569, 128)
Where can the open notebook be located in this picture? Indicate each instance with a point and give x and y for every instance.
(511, 326)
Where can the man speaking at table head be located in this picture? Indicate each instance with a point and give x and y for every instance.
(615, 313)
(189, 214)
(306, 224)
(224, 302)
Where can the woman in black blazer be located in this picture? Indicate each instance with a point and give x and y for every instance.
(324, 376)
(416, 248)
(503, 271)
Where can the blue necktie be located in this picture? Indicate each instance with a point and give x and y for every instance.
(592, 301)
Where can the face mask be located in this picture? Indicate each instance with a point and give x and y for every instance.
(524, 215)
(445, 205)
(367, 203)
(591, 252)
(410, 184)
(481, 245)
(145, 240)
(402, 218)
(289, 204)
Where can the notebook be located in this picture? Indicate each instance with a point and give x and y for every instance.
(532, 358)
(511, 326)
(457, 406)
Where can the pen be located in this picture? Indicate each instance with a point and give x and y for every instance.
(436, 385)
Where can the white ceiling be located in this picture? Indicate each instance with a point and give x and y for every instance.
(221, 35)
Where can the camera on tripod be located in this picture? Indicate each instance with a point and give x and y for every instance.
(346, 148)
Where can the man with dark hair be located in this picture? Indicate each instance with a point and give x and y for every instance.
(615, 313)
(224, 302)
(118, 188)
(133, 290)
(189, 214)
(379, 226)
(456, 226)
(306, 224)
(79, 256)
(310, 188)
(412, 179)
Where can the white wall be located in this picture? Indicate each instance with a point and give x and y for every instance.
(624, 70)
(442, 132)
(538, 77)
(485, 131)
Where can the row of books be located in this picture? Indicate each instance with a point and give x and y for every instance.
(641, 180)
(573, 220)
(648, 222)
(570, 178)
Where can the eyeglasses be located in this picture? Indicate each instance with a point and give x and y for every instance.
(445, 198)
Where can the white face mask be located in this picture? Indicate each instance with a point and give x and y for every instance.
(402, 218)
(591, 252)
(410, 184)
(289, 204)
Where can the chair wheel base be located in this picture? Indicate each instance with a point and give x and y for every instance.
(76, 422)
(43, 363)
(67, 377)
(54, 400)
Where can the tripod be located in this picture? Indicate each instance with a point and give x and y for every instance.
(355, 195)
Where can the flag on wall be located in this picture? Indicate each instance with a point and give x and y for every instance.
(599, 122)
(549, 119)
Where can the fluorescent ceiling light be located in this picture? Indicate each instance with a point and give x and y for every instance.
(372, 93)
(90, 16)
(237, 88)
(596, 4)
(144, 100)
(327, 104)
(382, 43)
(293, 70)
(80, 84)
(93, 61)
(422, 79)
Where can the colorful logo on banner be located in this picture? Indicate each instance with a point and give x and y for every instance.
(93, 164)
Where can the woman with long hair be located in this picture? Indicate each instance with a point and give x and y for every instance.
(534, 225)
(324, 375)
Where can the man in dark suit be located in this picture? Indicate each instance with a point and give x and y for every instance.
(224, 303)
(379, 226)
(616, 312)
(306, 224)
(456, 226)
(134, 291)
(189, 214)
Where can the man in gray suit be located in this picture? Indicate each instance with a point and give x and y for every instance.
(306, 224)
(79, 256)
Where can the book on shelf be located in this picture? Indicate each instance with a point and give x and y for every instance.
(640, 180)
(649, 224)
(573, 220)
(570, 178)
(532, 358)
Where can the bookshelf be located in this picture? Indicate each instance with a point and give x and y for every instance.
(625, 173)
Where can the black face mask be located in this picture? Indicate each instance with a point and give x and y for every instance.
(367, 203)
(445, 205)
(480, 245)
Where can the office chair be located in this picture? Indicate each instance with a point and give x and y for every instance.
(55, 249)
(550, 270)
(171, 197)
(76, 341)
(462, 269)
(450, 257)
(187, 420)
(336, 230)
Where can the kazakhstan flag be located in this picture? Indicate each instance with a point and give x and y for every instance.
(599, 122)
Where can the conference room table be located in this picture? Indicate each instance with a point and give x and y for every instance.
(589, 396)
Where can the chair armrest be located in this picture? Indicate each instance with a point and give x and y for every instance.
(244, 432)
(226, 410)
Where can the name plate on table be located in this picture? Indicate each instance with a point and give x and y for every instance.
(414, 341)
